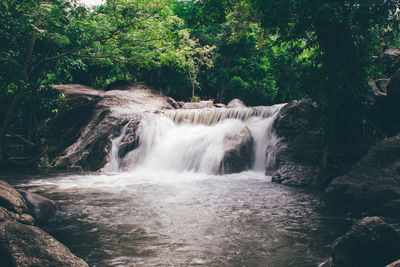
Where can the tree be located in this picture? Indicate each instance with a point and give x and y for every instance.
(345, 34)
(38, 36)
(197, 57)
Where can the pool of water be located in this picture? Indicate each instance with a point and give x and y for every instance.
(144, 218)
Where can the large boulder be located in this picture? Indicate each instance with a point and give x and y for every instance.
(90, 148)
(236, 103)
(238, 151)
(40, 207)
(370, 242)
(298, 125)
(24, 245)
(13, 205)
(78, 108)
(373, 183)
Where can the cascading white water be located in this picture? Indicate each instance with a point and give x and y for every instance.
(198, 140)
(114, 163)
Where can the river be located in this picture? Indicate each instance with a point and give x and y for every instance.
(163, 218)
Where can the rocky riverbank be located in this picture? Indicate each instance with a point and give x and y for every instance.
(22, 243)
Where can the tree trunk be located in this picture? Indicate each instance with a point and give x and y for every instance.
(192, 89)
(16, 99)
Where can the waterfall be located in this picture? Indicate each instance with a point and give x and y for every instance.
(206, 140)
(114, 163)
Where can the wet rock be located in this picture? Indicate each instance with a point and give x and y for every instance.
(219, 105)
(236, 103)
(373, 183)
(297, 174)
(24, 245)
(129, 141)
(13, 205)
(379, 89)
(173, 103)
(298, 159)
(40, 207)
(181, 103)
(391, 59)
(4, 215)
(394, 264)
(382, 84)
(238, 151)
(120, 85)
(370, 242)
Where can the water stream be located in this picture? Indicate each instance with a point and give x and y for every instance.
(163, 204)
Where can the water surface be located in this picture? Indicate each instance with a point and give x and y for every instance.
(150, 218)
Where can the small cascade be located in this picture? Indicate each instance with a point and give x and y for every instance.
(211, 116)
(114, 163)
(205, 140)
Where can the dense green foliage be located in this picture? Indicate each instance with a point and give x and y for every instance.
(346, 34)
(261, 51)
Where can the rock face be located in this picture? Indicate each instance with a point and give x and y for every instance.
(40, 207)
(24, 245)
(90, 148)
(13, 205)
(298, 126)
(370, 242)
(373, 183)
(238, 153)
(129, 141)
(236, 103)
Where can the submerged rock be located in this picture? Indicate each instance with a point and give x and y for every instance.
(373, 183)
(238, 152)
(236, 103)
(298, 126)
(370, 242)
(13, 205)
(40, 207)
(24, 245)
